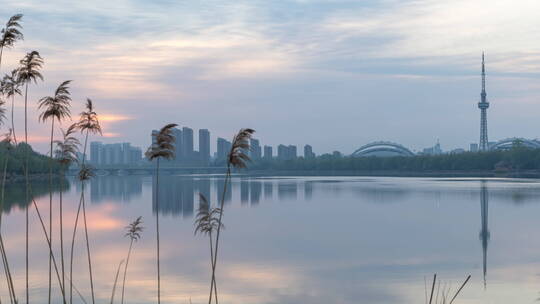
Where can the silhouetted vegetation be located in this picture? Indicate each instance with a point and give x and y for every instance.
(38, 163)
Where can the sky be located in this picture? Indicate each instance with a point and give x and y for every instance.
(335, 74)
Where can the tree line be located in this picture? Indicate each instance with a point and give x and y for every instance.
(516, 158)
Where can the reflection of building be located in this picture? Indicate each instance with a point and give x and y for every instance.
(484, 231)
(308, 190)
(287, 190)
(177, 194)
(244, 191)
(268, 189)
(220, 183)
(255, 189)
(115, 188)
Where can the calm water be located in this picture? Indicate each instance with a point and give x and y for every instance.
(298, 240)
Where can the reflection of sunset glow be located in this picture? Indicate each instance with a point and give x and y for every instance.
(256, 275)
(101, 219)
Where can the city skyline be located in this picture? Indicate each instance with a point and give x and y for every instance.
(363, 72)
(187, 153)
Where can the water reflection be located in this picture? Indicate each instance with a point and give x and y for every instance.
(178, 193)
(484, 232)
(333, 240)
(15, 195)
(113, 188)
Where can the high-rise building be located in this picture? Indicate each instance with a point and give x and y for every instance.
(108, 155)
(114, 154)
(95, 152)
(177, 134)
(223, 148)
(126, 153)
(286, 152)
(267, 152)
(135, 155)
(292, 152)
(118, 156)
(435, 150)
(308, 152)
(483, 105)
(154, 136)
(282, 152)
(204, 146)
(187, 144)
(255, 149)
(473, 147)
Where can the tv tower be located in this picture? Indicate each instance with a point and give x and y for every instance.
(483, 105)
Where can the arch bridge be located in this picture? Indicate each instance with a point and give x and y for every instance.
(382, 148)
(508, 143)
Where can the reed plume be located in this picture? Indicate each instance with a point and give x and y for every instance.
(88, 123)
(28, 72)
(162, 147)
(56, 106)
(134, 230)
(9, 87)
(206, 223)
(2, 111)
(7, 142)
(66, 154)
(237, 158)
(10, 34)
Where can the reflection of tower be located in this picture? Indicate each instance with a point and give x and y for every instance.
(483, 105)
(484, 232)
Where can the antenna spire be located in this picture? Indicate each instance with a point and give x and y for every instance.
(483, 75)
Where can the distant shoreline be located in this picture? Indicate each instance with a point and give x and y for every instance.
(385, 173)
(374, 173)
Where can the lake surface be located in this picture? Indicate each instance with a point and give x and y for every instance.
(295, 239)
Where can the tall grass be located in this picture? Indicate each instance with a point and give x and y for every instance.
(28, 72)
(237, 158)
(162, 147)
(445, 293)
(134, 231)
(88, 123)
(66, 154)
(54, 107)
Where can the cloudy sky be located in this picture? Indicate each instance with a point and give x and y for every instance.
(335, 74)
